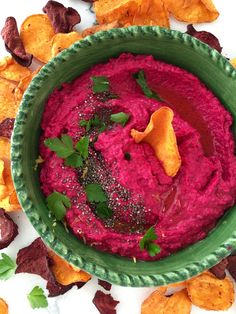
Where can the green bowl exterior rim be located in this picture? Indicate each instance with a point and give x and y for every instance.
(44, 231)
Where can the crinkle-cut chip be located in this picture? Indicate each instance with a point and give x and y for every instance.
(9, 106)
(6, 127)
(108, 11)
(178, 303)
(13, 42)
(8, 199)
(36, 33)
(105, 303)
(206, 37)
(65, 273)
(97, 28)
(8, 230)
(233, 61)
(10, 70)
(62, 41)
(3, 307)
(62, 19)
(192, 11)
(210, 293)
(154, 304)
(161, 136)
(152, 12)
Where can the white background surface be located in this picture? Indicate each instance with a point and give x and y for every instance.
(15, 290)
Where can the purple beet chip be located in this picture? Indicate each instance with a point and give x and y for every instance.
(6, 127)
(62, 19)
(8, 229)
(106, 285)
(105, 303)
(232, 266)
(219, 269)
(206, 37)
(14, 44)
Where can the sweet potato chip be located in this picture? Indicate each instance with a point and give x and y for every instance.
(210, 293)
(192, 11)
(9, 106)
(97, 28)
(108, 11)
(161, 136)
(37, 33)
(8, 199)
(10, 70)
(178, 303)
(152, 12)
(3, 307)
(62, 41)
(233, 61)
(154, 304)
(65, 273)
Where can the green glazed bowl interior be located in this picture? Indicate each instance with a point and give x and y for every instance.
(173, 47)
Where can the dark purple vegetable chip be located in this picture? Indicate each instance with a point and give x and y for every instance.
(62, 19)
(219, 269)
(14, 44)
(8, 229)
(105, 303)
(232, 266)
(6, 127)
(106, 285)
(34, 259)
(206, 37)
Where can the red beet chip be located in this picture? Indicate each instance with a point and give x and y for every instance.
(105, 303)
(6, 127)
(232, 266)
(34, 259)
(62, 19)
(106, 285)
(219, 269)
(14, 44)
(206, 37)
(8, 229)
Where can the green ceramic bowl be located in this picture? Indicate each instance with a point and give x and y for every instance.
(170, 46)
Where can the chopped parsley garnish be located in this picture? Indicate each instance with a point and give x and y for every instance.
(120, 117)
(127, 156)
(64, 148)
(95, 122)
(58, 203)
(147, 242)
(98, 198)
(37, 298)
(141, 80)
(100, 84)
(7, 267)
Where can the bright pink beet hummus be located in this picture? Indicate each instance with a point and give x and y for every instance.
(183, 209)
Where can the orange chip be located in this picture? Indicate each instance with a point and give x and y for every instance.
(97, 28)
(178, 303)
(11, 70)
(108, 11)
(233, 61)
(37, 33)
(192, 11)
(152, 12)
(62, 41)
(161, 136)
(210, 293)
(154, 304)
(65, 273)
(9, 106)
(8, 198)
(3, 307)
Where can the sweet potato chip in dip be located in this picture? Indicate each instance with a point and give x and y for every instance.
(114, 193)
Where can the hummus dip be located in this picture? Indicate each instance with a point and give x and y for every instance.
(183, 208)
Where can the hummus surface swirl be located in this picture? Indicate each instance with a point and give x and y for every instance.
(183, 208)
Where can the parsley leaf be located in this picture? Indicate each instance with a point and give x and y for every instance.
(37, 298)
(95, 193)
(82, 146)
(100, 84)
(141, 80)
(57, 203)
(86, 124)
(147, 242)
(63, 148)
(103, 211)
(7, 267)
(74, 161)
(95, 122)
(120, 117)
